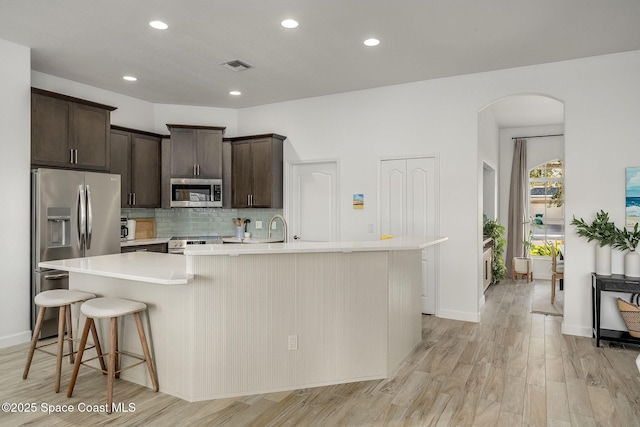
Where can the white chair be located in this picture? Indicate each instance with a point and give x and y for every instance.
(112, 308)
(62, 299)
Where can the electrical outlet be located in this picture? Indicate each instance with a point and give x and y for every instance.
(258, 225)
(293, 342)
(273, 225)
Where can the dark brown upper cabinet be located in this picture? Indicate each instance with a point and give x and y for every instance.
(256, 171)
(196, 151)
(69, 132)
(135, 155)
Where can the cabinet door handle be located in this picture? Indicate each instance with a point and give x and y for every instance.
(133, 198)
(71, 155)
(194, 169)
(75, 157)
(198, 169)
(248, 199)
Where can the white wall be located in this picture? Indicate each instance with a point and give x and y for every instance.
(137, 114)
(441, 116)
(488, 162)
(131, 112)
(15, 143)
(200, 116)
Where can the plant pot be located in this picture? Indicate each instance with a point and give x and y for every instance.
(632, 264)
(521, 266)
(603, 260)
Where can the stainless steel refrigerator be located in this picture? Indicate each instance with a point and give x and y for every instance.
(74, 214)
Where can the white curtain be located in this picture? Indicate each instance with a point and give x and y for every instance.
(518, 193)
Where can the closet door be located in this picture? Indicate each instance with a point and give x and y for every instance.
(408, 207)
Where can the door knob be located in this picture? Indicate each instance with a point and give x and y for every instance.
(296, 237)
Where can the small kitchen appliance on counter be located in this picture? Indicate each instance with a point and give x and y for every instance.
(124, 230)
(131, 226)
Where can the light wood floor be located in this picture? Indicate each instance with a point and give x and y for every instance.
(513, 368)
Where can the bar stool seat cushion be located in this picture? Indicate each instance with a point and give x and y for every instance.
(60, 297)
(107, 307)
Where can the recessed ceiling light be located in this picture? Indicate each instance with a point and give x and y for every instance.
(289, 23)
(371, 42)
(158, 25)
(130, 78)
(235, 93)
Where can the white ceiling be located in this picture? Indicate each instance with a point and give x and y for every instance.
(97, 42)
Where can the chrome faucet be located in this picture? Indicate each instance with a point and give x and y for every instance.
(284, 226)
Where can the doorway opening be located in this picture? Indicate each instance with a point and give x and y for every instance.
(539, 119)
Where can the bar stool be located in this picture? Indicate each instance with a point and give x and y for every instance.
(112, 308)
(62, 299)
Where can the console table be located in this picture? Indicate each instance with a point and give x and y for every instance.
(613, 283)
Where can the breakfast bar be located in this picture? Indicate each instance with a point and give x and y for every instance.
(240, 319)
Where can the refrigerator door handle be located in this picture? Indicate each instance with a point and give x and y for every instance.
(89, 218)
(57, 276)
(82, 216)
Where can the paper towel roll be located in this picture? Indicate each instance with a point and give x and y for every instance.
(131, 225)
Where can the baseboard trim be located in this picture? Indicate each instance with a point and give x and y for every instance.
(16, 339)
(459, 315)
(579, 331)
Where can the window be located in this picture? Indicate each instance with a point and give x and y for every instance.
(546, 206)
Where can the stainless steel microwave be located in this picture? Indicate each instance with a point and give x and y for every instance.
(196, 193)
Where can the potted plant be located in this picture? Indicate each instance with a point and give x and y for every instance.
(495, 231)
(522, 265)
(628, 240)
(605, 233)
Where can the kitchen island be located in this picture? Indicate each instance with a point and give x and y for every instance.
(229, 320)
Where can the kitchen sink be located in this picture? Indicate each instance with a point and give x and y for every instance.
(251, 240)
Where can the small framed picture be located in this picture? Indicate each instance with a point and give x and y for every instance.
(632, 196)
(358, 201)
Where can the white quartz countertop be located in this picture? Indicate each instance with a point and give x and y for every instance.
(394, 244)
(139, 242)
(151, 267)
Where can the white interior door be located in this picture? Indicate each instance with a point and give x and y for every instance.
(314, 207)
(408, 206)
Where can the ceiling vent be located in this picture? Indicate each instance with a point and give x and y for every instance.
(236, 65)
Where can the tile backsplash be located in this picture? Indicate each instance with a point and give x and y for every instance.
(205, 221)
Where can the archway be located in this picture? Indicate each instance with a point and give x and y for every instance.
(538, 117)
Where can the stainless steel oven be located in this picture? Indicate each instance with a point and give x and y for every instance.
(196, 193)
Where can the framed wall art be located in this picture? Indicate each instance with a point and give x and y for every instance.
(632, 196)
